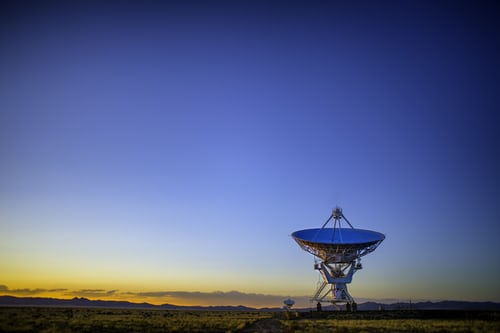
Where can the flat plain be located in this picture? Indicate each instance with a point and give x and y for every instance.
(66, 320)
(113, 320)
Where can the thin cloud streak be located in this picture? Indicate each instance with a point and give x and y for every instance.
(28, 291)
(92, 293)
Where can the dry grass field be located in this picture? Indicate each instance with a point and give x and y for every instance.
(51, 320)
(82, 320)
(391, 325)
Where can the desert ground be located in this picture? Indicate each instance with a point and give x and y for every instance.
(54, 319)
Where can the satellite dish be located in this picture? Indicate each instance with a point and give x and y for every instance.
(339, 251)
(337, 245)
(288, 303)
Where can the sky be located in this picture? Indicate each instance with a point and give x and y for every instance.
(164, 152)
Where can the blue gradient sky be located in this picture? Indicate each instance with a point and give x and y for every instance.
(149, 151)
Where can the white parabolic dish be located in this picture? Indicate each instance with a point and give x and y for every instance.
(336, 245)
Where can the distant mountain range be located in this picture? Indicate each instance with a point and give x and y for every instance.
(84, 302)
(368, 306)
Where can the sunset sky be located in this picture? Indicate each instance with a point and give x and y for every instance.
(165, 151)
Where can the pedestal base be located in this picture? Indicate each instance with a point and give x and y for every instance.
(335, 276)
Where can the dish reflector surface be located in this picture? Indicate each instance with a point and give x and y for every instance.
(336, 245)
(338, 236)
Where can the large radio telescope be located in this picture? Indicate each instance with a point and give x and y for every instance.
(339, 251)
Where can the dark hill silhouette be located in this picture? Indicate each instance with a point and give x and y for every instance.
(368, 306)
(84, 302)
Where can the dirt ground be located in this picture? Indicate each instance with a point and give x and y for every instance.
(268, 325)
